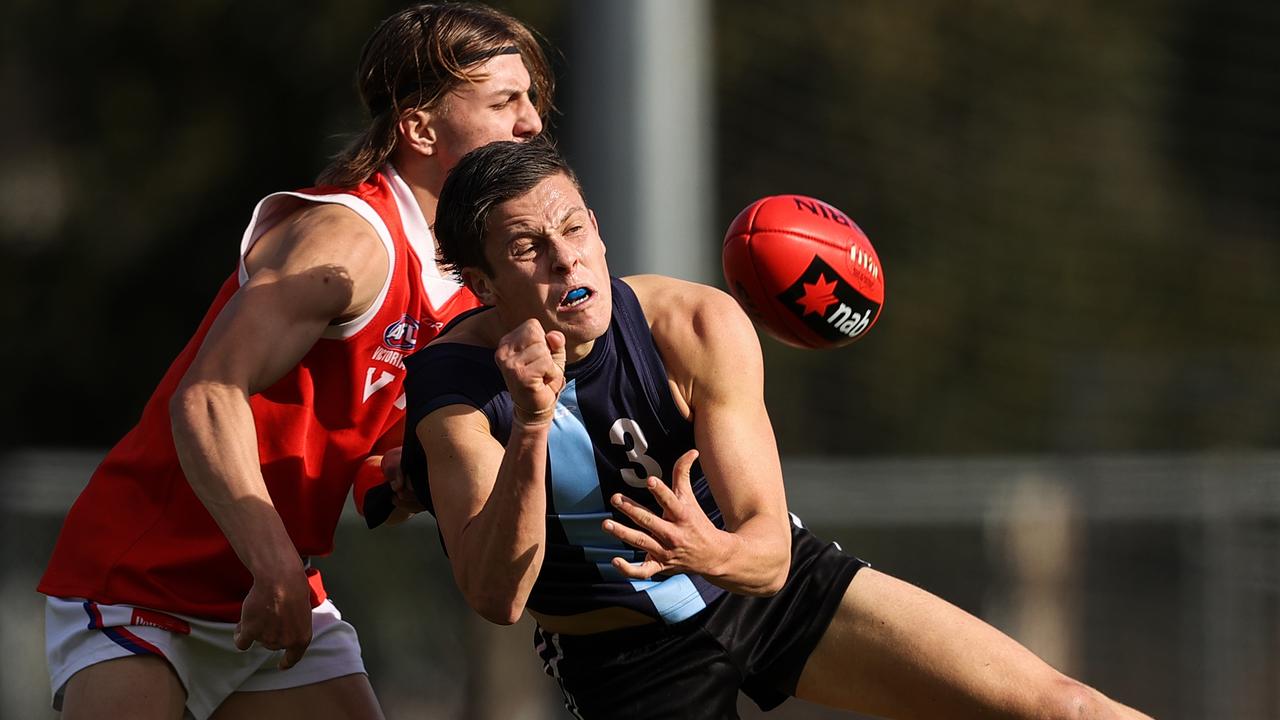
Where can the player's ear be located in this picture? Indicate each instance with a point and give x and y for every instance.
(417, 132)
(479, 284)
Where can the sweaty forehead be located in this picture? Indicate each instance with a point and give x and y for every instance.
(543, 207)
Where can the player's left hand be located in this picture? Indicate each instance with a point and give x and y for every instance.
(276, 613)
(682, 540)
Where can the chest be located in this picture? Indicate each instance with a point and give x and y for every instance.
(614, 428)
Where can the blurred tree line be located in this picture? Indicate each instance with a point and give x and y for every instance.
(1077, 205)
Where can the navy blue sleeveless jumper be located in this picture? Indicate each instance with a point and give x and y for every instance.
(616, 423)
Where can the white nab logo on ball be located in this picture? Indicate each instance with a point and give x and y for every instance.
(827, 304)
(849, 322)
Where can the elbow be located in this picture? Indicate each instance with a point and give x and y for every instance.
(762, 589)
(765, 582)
(494, 587)
(498, 617)
(770, 566)
(497, 610)
(497, 605)
(775, 572)
(773, 582)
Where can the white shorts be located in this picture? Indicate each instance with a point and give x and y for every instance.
(80, 633)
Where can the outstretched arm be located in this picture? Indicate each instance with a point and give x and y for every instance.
(714, 364)
(322, 265)
(490, 500)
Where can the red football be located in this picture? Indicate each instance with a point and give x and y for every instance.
(803, 271)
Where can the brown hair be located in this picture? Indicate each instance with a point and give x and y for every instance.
(414, 58)
(483, 179)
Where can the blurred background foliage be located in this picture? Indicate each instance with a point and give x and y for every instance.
(1076, 204)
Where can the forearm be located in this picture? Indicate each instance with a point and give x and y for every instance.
(501, 549)
(756, 558)
(213, 432)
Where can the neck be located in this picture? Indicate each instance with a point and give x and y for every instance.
(424, 180)
(427, 201)
(498, 325)
(575, 353)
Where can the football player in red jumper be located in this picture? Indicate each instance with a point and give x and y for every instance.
(181, 582)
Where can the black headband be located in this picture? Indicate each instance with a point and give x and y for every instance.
(480, 56)
(381, 104)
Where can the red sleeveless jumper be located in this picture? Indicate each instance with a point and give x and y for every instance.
(138, 534)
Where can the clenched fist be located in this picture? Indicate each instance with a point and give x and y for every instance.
(532, 364)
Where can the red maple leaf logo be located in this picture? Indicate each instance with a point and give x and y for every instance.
(818, 296)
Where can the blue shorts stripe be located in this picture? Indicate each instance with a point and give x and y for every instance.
(131, 642)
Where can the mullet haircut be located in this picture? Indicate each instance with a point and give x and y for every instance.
(417, 56)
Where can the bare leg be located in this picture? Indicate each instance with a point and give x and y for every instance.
(894, 650)
(345, 698)
(140, 686)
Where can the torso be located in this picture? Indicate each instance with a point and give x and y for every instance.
(139, 535)
(617, 421)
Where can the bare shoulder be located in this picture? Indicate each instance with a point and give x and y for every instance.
(479, 329)
(661, 295)
(704, 338)
(318, 234)
(679, 310)
(332, 244)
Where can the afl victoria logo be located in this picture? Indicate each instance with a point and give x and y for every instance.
(401, 334)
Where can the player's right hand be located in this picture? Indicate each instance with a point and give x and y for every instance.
(405, 498)
(532, 364)
(276, 614)
(683, 539)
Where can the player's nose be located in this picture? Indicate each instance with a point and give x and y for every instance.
(565, 255)
(528, 122)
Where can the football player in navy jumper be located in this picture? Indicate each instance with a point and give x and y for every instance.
(597, 452)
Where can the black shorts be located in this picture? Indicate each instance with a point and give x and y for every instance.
(695, 668)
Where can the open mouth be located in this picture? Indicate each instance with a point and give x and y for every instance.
(576, 296)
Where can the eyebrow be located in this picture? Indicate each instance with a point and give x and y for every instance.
(526, 228)
(505, 92)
